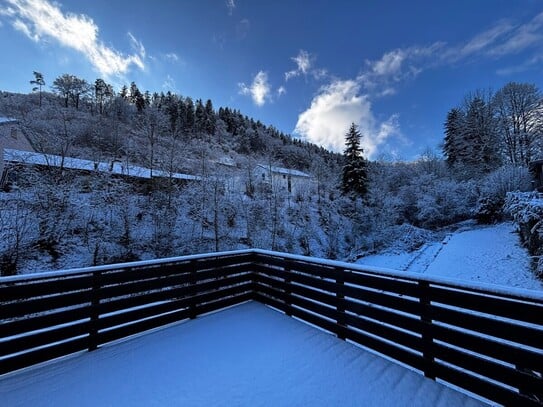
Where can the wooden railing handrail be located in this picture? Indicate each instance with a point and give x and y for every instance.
(510, 292)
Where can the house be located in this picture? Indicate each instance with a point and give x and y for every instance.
(11, 138)
(284, 178)
(536, 169)
(16, 151)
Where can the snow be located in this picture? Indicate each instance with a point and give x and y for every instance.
(33, 158)
(248, 355)
(6, 120)
(484, 254)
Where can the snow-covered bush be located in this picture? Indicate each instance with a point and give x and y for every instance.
(403, 237)
(494, 188)
(526, 210)
(489, 209)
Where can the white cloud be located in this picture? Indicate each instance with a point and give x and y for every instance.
(230, 5)
(136, 45)
(332, 111)
(303, 64)
(390, 63)
(480, 42)
(504, 38)
(522, 37)
(172, 56)
(259, 90)
(381, 75)
(41, 20)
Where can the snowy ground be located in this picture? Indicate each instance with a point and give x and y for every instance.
(249, 355)
(489, 254)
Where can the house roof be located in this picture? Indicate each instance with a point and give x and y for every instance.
(7, 120)
(281, 170)
(33, 158)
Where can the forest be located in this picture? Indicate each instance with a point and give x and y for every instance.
(54, 217)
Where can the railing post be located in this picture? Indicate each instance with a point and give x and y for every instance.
(94, 310)
(192, 283)
(340, 303)
(254, 275)
(287, 292)
(427, 335)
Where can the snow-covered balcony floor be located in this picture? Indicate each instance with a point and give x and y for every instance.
(248, 355)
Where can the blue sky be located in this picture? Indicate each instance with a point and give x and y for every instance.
(309, 68)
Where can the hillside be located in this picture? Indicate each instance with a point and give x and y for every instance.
(490, 254)
(208, 180)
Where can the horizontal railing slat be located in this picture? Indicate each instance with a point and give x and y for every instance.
(42, 338)
(46, 304)
(508, 375)
(484, 388)
(54, 351)
(33, 323)
(488, 303)
(28, 290)
(164, 319)
(174, 292)
(128, 316)
(509, 353)
(515, 332)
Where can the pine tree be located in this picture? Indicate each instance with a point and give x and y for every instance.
(355, 171)
(211, 122)
(199, 117)
(453, 136)
(39, 82)
(189, 116)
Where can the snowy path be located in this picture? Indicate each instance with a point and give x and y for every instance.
(489, 254)
(249, 355)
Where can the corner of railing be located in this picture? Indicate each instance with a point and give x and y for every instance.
(253, 257)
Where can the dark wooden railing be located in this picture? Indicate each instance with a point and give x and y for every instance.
(486, 340)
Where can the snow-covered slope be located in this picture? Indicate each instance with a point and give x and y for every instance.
(486, 254)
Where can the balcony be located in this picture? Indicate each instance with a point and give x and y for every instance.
(431, 335)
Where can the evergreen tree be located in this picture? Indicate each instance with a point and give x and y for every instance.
(211, 121)
(471, 146)
(124, 92)
(189, 116)
(102, 92)
(453, 136)
(355, 170)
(39, 82)
(199, 117)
